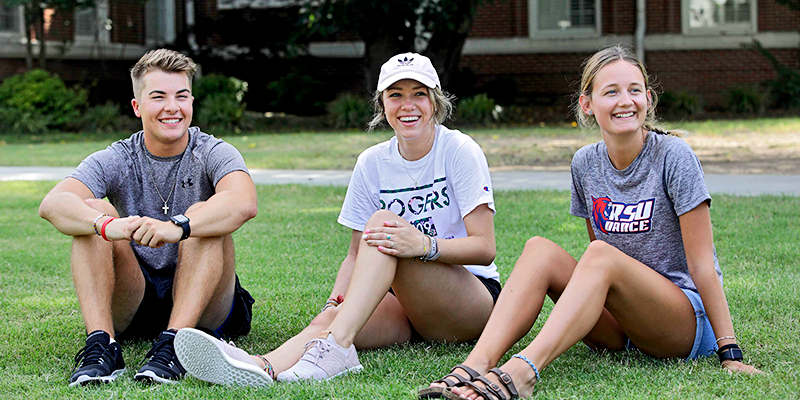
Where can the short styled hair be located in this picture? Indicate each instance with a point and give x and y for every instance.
(164, 60)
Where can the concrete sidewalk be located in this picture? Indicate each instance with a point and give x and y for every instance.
(502, 180)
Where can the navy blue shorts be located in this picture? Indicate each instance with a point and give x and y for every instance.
(153, 314)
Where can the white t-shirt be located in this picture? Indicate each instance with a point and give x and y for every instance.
(452, 180)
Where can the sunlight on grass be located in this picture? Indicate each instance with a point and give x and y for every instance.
(289, 267)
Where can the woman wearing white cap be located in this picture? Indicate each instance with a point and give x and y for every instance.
(420, 263)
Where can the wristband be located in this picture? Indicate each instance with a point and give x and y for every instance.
(730, 352)
(433, 253)
(95, 223)
(330, 303)
(103, 229)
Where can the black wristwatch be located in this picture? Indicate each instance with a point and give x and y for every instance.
(183, 222)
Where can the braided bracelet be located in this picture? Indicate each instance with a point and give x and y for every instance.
(523, 358)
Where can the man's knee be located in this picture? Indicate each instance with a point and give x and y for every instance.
(102, 206)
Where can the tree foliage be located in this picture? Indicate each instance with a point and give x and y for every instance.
(436, 28)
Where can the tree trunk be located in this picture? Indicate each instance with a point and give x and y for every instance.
(29, 26)
(445, 47)
(377, 51)
(40, 36)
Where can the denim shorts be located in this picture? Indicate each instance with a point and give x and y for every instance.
(704, 340)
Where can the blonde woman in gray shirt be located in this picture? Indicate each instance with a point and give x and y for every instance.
(651, 258)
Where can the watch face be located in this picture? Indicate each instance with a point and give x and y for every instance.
(180, 219)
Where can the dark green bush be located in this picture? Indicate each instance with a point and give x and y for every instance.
(478, 110)
(38, 101)
(785, 90)
(218, 102)
(214, 84)
(746, 100)
(104, 118)
(14, 121)
(297, 94)
(680, 104)
(220, 112)
(349, 111)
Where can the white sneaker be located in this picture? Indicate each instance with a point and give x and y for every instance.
(323, 359)
(212, 360)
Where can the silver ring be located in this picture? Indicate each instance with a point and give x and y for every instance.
(391, 244)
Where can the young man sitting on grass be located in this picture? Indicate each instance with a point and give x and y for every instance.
(158, 256)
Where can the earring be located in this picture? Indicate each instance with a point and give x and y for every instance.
(590, 112)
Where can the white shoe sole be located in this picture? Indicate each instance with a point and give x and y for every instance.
(203, 357)
(150, 376)
(84, 380)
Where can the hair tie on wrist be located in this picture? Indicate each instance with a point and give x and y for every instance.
(103, 229)
(725, 337)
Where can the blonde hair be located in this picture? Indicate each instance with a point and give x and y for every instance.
(164, 60)
(441, 101)
(594, 64)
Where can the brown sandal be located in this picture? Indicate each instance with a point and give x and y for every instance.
(438, 392)
(492, 391)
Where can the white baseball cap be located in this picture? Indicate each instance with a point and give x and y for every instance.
(408, 66)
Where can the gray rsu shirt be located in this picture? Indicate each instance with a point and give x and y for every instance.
(122, 172)
(636, 209)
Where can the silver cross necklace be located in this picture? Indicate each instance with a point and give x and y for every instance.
(155, 185)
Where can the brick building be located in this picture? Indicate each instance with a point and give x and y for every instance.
(692, 45)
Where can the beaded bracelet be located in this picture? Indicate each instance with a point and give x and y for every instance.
(95, 223)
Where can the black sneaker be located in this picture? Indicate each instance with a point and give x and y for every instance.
(97, 362)
(163, 365)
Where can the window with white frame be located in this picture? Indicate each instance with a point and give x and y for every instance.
(719, 16)
(564, 18)
(9, 19)
(85, 22)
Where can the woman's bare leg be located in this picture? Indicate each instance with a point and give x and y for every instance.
(639, 299)
(443, 301)
(544, 268)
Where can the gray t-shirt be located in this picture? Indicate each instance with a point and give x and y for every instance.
(122, 172)
(636, 209)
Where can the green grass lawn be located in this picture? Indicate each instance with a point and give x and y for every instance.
(338, 150)
(288, 257)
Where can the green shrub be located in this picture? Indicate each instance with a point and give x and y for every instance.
(349, 111)
(103, 118)
(680, 104)
(219, 103)
(38, 101)
(297, 94)
(14, 121)
(478, 110)
(746, 100)
(215, 84)
(785, 90)
(220, 112)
